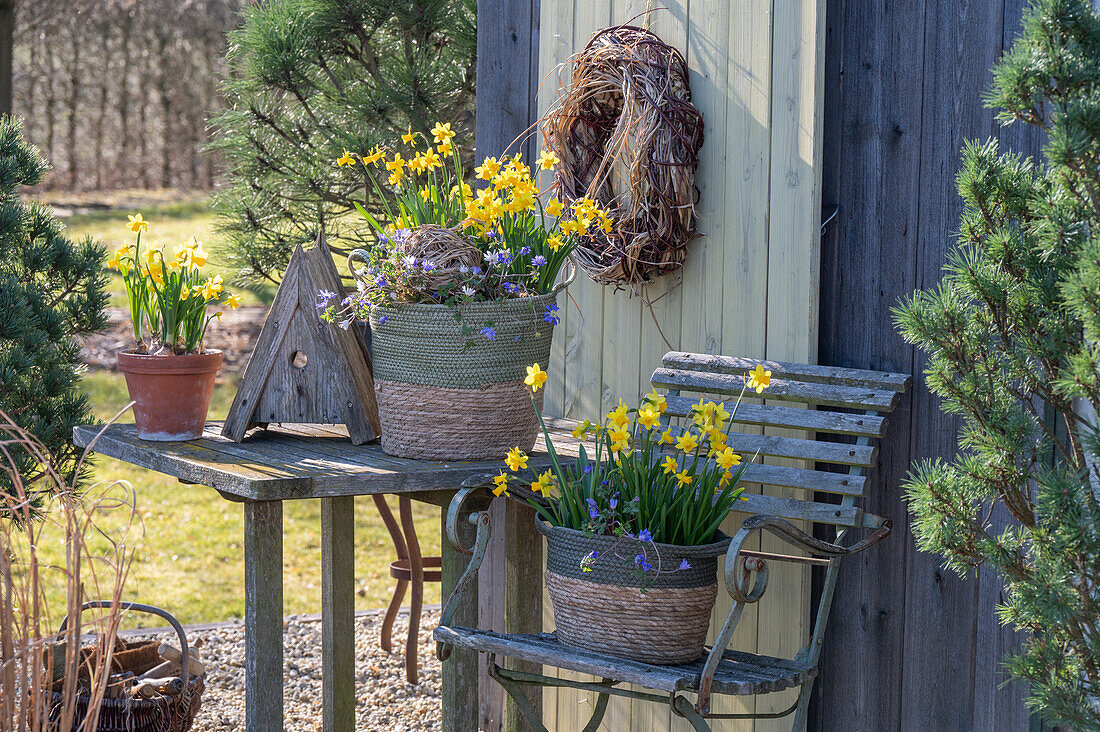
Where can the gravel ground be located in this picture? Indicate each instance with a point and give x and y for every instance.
(384, 700)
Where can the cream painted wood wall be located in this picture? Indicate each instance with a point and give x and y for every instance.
(750, 283)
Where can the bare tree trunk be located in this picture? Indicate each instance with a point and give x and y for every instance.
(163, 85)
(51, 101)
(7, 43)
(74, 110)
(101, 112)
(32, 89)
(124, 84)
(143, 125)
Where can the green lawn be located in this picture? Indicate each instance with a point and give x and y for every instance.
(190, 560)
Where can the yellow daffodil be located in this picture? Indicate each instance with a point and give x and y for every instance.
(618, 417)
(212, 288)
(543, 484)
(570, 226)
(669, 465)
(426, 193)
(581, 430)
(346, 159)
(445, 147)
(233, 301)
(726, 480)
(409, 138)
(197, 256)
(605, 224)
(156, 271)
(554, 242)
(138, 224)
(649, 417)
(501, 482)
(120, 259)
(442, 132)
(515, 459)
(682, 478)
(687, 442)
(666, 437)
(547, 160)
(554, 207)
(759, 379)
(535, 378)
(396, 168)
(431, 160)
(657, 401)
(488, 169)
(728, 459)
(374, 156)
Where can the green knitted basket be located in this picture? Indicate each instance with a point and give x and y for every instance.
(443, 395)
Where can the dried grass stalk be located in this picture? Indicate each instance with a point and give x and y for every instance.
(628, 136)
(99, 530)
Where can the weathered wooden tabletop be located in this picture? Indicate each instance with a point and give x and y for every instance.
(288, 462)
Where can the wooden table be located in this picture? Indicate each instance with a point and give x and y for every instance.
(296, 462)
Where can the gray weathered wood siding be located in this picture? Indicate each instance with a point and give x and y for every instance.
(910, 646)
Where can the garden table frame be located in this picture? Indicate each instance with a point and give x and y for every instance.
(294, 462)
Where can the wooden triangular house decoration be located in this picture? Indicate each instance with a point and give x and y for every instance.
(304, 370)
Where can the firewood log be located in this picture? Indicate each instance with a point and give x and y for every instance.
(170, 653)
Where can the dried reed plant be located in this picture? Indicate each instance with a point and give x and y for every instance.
(42, 672)
(628, 136)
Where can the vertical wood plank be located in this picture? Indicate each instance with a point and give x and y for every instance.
(338, 613)
(460, 671)
(793, 278)
(523, 596)
(263, 615)
(905, 92)
(583, 347)
(507, 59)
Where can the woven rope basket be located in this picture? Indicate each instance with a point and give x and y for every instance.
(604, 610)
(441, 400)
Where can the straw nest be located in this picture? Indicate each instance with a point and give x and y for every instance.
(445, 248)
(628, 136)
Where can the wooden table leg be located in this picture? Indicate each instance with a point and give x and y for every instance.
(460, 699)
(522, 597)
(338, 613)
(416, 599)
(263, 615)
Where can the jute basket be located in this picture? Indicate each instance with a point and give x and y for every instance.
(605, 610)
(441, 400)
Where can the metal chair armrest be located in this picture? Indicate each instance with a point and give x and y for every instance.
(795, 536)
(467, 505)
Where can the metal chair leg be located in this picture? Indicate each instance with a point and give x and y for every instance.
(514, 689)
(391, 614)
(685, 709)
(402, 554)
(416, 601)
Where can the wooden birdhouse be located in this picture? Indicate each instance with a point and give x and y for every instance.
(304, 370)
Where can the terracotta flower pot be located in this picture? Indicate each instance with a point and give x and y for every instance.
(171, 393)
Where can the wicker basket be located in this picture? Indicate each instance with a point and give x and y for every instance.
(605, 610)
(162, 713)
(440, 398)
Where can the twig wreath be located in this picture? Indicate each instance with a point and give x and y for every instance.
(628, 136)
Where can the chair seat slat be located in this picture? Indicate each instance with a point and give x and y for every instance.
(794, 391)
(810, 480)
(836, 375)
(815, 420)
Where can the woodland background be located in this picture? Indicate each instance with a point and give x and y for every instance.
(116, 93)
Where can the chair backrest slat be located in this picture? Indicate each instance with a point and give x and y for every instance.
(830, 430)
(841, 484)
(792, 447)
(835, 375)
(795, 509)
(809, 392)
(839, 423)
